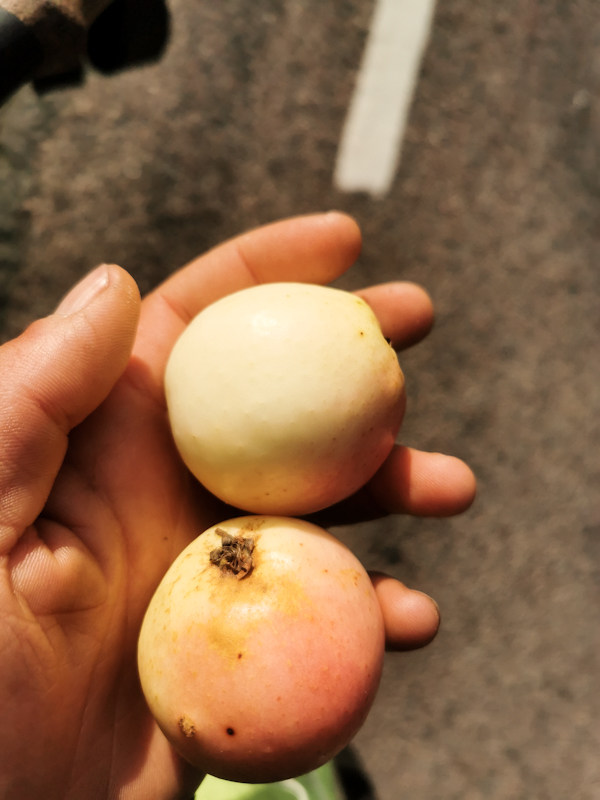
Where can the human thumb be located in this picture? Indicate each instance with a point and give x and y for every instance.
(51, 378)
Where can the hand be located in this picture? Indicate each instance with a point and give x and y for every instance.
(95, 504)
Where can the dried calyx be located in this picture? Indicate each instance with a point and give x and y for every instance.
(234, 556)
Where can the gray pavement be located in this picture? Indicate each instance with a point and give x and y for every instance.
(496, 211)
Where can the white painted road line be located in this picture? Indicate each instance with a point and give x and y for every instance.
(372, 136)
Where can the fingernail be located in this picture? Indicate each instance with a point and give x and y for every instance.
(431, 600)
(83, 293)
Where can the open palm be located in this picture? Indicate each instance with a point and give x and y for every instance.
(95, 504)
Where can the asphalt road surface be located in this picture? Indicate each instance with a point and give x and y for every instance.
(495, 209)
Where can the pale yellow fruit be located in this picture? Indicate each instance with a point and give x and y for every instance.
(265, 677)
(284, 398)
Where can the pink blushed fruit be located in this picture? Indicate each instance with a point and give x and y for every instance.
(261, 652)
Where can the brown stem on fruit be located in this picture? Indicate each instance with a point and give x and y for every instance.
(234, 557)
(187, 726)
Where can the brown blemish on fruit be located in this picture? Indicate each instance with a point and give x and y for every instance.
(230, 732)
(350, 575)
(186, 726)
(253, 524)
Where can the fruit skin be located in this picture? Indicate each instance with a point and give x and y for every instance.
(267, 677)
(284, 398)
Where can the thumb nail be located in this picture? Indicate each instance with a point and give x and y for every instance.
(84, 292)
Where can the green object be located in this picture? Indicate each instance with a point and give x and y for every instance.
(322, 784)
